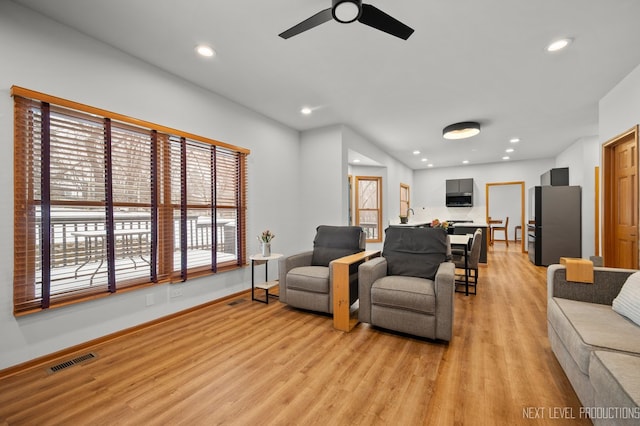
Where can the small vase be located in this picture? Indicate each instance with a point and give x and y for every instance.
(266, 249)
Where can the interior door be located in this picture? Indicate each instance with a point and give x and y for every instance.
(621, 202)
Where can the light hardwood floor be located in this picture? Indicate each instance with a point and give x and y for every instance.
(246, 363)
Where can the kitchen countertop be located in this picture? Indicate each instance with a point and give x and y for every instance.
(410, 224)
(471, 224)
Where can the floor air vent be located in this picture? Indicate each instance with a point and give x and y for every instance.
(72, 362)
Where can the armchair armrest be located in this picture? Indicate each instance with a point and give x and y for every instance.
(285, 264)
(368, 273)
(444, 288)
(607, 283)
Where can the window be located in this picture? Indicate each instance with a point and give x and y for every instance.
(369, 206)
(404, 200)
(105, 203)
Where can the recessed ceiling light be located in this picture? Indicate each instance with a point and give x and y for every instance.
(514, 140)
(509, 150)
(424, 160)
(356, 160)
(506, 157)
(465, 162)
(558, 44)
(204, 50)
(306, 110)
(429, 165)
(416, 152)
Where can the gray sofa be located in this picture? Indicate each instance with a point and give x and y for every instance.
(598, 349)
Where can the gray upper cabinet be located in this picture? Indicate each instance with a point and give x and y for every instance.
(452, 186)
(466, 186)
(459, 192)
(460, 186)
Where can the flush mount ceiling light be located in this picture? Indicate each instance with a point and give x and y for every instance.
(204, 50)
(558, 44)
(462, 130)
(306, 110)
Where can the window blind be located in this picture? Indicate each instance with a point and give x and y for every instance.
(104, 203)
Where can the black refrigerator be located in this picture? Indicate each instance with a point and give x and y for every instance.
(556, 230)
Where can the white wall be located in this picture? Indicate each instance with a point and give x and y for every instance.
(42, 55)
(324, 172)
(582, 157)
(393, 173)
(429, 197)
(620, 108)
(322, 197)
(504, 202)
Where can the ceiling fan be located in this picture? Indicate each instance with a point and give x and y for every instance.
(347, 11)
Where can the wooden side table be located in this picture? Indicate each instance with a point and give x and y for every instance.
(258, 259)
(343, 318)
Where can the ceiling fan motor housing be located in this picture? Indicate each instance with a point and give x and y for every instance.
(346, 11)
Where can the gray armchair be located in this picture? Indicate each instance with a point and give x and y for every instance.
(410, 288)
(305, 278)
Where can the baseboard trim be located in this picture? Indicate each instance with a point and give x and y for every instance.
(64, 353)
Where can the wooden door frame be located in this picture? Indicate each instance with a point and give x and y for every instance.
(608, 188)
(523, 229)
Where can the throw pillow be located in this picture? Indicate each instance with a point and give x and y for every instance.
(627, 303)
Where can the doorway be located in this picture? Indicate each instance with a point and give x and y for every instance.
(518, 188)
(620, 201)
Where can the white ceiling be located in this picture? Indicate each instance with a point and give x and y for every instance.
(480, 60)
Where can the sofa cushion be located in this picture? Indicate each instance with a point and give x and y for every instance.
(309, 278)
(334, 242)
(627, 302)
(616, 381)
(415, 252)
(584, 327)
(407, 293)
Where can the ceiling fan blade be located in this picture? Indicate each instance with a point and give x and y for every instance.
(374, 17)
(317, 19)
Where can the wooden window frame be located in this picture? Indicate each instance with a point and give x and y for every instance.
(378, 210)
(32, 192)
(405, 205)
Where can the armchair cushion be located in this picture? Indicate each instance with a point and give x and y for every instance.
(415, 252)
(333, 242)
(309, 278)
(409, 293)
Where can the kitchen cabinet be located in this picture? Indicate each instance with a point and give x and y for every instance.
(459, 192)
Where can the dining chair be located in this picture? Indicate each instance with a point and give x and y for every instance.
(473, 258)
(504, 229)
